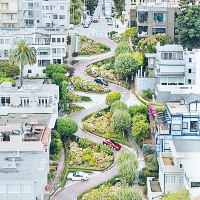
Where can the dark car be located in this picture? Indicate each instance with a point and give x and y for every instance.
(112, 144)
(101, 81)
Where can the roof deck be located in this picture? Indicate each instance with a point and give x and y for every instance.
(168, 161)
(155, 186)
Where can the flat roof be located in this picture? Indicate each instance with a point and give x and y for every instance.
(187, 145)
(176, 107)
(191, 167)
(169, 47)
(31, 167)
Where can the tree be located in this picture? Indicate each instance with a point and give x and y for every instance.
(126, 193)
(91, 5)
(66, 127)
(188, 22)
(119, 5)
(140, 128)
(149, 43)
(64, 94)
(121, 120)
(56, 145)
(139, 57)
(9, 68)
(55, 68)
(122, 47)
(7, 80)
(126, 65)
(136, 109)
(118, 105)
(182, 195)
(128, 165)
(112, 97)
(23, 54)
(131, 32)
(164, 39)
(59, 78)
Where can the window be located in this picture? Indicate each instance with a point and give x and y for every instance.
(63, 39)
(170, 179)
(14, 189)
(58, 39)
(61, 16)
(2, 188)
(47, 7)
(30, 5)
(53, 40)
(54, 50)
(185, 125)
(143, 16)
(56, 61)
(190, 59)
(8, 41)
(5, 53)
(63, 50)
(5, 101)
(50, 7)
(180, 179)
(181, 166)
(29, 71)
(1, 41)
(43, 63)
(55, 16)
(189, 81)
(159, 17)
(189, 71)
(158, 30)
(176, 127)
(58, 50)
(38, 21)
(195, 184)
(193, 126)
(62, 7)
(26, 188)
(42, 7)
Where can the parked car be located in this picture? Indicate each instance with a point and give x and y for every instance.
(112, 144)
(95, 20)
(78, 176)
(110, 22)
(101, 81)
(86, 25)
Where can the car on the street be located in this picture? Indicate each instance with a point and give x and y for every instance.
(112, 144)
(95, 20)
(86, 25)
(78, 176)
(110, 22)
(101, 81)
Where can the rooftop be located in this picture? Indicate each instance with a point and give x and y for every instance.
(176, 107)
(169, 47)
(31, 167)
(167, 161)
(187, 145)
(191, 167)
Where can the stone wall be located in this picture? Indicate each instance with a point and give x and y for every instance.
(144, 83)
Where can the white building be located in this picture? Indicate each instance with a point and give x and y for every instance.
(23, 176)
(40, 13)
(178, 169)
(109, 5)
(50, 45)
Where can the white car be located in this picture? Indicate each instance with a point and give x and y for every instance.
(78, 176)
(110, 22)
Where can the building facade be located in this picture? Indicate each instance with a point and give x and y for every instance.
(33, 13)
(9, 15)
(50, 45)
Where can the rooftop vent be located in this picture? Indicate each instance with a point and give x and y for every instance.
(10, 167)
(14, 156)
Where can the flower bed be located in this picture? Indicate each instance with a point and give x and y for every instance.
(72, 96)
(81, 84)
(99, 123)
(103, 71)
(94, 156)
(89, 47)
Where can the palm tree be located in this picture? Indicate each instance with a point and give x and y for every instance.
(23, 54)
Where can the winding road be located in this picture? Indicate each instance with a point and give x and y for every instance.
(71, 192)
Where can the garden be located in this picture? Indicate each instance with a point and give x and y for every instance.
(89, 47)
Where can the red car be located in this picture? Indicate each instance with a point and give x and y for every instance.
(112, 144)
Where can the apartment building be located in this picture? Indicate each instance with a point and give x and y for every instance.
(9, 13)
(40, 13)
(180, 120)
(50, 45)
(178, 169)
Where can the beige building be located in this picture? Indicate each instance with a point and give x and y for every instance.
(8, 13)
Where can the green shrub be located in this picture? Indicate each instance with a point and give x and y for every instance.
(138, 109)
(84, 143)
(87, 152)
(112, 33)
(69, 39)
(119, 105)
(112, 97)
(103, 46)
(73, 62)
(101, 148)
(147, 94)
(85, 98)
(151, 162)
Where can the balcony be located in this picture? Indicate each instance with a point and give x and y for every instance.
(153, 189)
